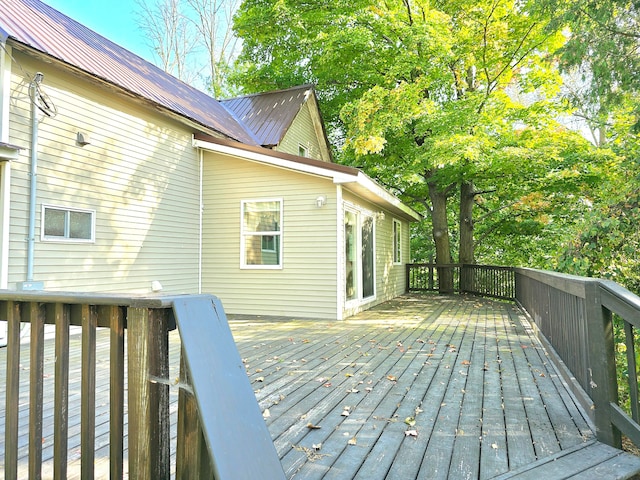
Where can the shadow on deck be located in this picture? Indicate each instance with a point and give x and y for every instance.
(423, 386)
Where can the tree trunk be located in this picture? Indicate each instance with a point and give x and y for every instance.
(441, 237)
(466, 247)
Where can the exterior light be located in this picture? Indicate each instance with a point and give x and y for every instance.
(321, 201)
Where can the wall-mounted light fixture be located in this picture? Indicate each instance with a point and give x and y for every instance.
(156, 286)
(321, 201)
(82, 139)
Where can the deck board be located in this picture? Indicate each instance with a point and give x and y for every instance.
(485, 397)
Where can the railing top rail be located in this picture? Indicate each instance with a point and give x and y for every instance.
(111, 299)
(571, 284)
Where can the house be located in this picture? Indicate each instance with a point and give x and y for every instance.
(117, 177)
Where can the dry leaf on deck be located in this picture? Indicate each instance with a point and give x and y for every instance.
(353, 441)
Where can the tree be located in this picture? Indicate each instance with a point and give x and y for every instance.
(170, 35)
(181, 30)
(422, 94)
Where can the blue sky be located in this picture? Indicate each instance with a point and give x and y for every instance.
(114, 19)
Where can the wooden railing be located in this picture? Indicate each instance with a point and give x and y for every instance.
(485, 280)
(574, 315)
(218, 419)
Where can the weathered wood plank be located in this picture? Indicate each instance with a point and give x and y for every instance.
(36, 321)
(11, 311)
(60, 316)
(114, 317)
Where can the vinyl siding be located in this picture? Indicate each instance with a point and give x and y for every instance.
(306, 285)
(301, 132)
(139, 173)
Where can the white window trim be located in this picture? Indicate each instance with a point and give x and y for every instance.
(397, 241)
(243, 235)
(56, 239)
(303, 149)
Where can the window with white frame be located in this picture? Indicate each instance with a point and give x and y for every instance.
(303, 151)
(67, 224)
(397, 242)
(261, 235)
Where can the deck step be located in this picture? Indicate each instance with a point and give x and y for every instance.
(591, 459)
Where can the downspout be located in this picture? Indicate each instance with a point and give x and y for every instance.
(33, 183)
(200, 220)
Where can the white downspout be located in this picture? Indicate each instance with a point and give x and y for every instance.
(33, 178)
(340, 274)
(201, 219)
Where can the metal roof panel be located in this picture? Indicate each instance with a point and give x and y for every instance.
(36, 25)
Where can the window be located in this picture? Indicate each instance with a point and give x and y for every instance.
(303, 151)
(261, 237)
(67, 224)
(397, 242)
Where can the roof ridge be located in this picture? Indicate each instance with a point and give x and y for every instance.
(270, 92)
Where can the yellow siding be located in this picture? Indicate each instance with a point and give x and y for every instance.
(301, 132)
(306, 285)
(139, 173)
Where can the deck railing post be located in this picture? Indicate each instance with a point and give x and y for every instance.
(602, 369)
(149, 428)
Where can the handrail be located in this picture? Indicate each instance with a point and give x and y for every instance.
(485, 280)
(575, 316)
(146, 320)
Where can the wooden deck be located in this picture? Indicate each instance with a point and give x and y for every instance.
(419, 387)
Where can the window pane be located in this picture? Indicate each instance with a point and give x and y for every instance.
(256, 254)
(80, 225)
(54, 221)
(368, 265)
(262, 216)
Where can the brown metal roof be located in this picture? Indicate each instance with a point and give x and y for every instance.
(269, 115)
(36, 25)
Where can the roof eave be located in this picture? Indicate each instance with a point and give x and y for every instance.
(349, 177)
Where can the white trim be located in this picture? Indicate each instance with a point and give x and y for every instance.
(5, 91)
(5, 213)
(243, 235)
(338, 177)
(340, 267)
(200, 217)
(57, 239)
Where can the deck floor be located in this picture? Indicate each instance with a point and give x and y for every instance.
(419, 387)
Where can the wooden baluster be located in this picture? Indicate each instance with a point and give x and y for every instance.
(115, 319)
(147, 340)
(36, 373)
(60, 315)
(11, 312)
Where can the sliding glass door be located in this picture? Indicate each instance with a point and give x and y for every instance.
(359, 255)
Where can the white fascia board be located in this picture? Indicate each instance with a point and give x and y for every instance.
(337, 177)
(370, 185)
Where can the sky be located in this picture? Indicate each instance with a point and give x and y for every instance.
(113, 19)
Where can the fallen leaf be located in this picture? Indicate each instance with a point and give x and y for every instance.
(258, 370)
(266, 413)
(392, 378)
(316, 446)
(352, 441)
(345, 413)
(494, 446)
(260, 379)
(353, 390)
(466, 362)
(328, 384)
(411, 421)
(311, 426)
(411, 433)
(348, 375)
